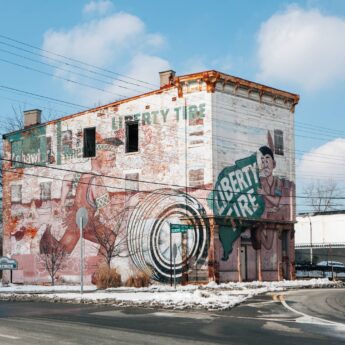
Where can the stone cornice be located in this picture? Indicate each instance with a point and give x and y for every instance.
(214, 80)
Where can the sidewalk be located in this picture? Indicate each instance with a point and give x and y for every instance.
(210, 296)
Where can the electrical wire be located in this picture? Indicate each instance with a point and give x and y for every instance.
(138, 180)
(75, 60)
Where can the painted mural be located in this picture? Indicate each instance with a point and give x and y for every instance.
(248, 191)
(138, 220)
(176, 138)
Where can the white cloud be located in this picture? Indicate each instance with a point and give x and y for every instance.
(324, 163)
(303, 47)
(98, 41)
(146, 67)
(118, 42)
(98, 7)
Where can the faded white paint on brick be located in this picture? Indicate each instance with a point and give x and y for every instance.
(173, 153)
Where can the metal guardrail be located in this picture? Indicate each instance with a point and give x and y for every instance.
(313, 267)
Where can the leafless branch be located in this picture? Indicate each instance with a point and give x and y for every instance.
(53, 257)
(112, 239)
(321, 195)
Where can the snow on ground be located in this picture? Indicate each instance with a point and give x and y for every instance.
(211, 296)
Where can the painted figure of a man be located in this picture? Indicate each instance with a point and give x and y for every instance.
(89, 191)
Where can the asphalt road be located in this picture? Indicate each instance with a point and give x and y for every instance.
(296, 317)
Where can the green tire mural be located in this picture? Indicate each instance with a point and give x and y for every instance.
(149, 239)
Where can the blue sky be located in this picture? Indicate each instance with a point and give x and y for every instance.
(296, 46)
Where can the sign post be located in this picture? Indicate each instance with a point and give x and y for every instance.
(175, 229)
(81, 220)
(180, 228)
(174, 250)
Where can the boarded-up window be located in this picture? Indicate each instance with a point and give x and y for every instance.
(16, 193)
(132, 136)
(45, 190)
(196, 177)
(285, 243)
(132, 182)
(90, 142)
(196, 126)
(66, 138)
(50, 156)
(278, 142)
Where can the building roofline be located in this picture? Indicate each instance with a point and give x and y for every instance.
(240, 81)
(210, 76)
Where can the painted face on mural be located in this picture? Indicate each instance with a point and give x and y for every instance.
(267, 161)
(267, 165)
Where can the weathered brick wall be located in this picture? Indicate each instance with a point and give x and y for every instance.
(246, 124)
(190, 139)
(174, 152)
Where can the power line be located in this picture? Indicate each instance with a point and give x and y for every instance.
(141, 181)
(72, 65)
(78, 61)
(33, 104)
(225, 139)
(90, 65)
(62, 78)
(158, 192)
(45, 97)
(90, 86)
(75, 60)
(297, 135)
(65, 70)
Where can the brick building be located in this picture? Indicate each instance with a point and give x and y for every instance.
(207, 150)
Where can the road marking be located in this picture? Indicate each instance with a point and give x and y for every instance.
(8, 336)
(308, 318)
(186, 315)
(278, 327)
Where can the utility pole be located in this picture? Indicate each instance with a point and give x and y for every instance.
(330, 250)
(311, 239)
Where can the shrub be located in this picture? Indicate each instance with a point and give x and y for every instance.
(138, 280)
(106, 277)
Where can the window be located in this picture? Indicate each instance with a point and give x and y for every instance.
(90, 142)
(45, 190)
(132, 136)
(16, 193)
(196, 177)
(278, 142)
(50, 156)
(66, 139)
(132, 182)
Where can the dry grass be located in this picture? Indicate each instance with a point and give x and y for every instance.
(107, 277)
(138, 280)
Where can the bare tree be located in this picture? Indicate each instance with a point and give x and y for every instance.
(53, 255)
(10, 124)
(323, 196)
(15, 122)
(112, 239)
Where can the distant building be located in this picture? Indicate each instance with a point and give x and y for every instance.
(206, 163)
(320, 236)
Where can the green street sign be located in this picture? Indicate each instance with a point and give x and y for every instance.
(177, 228)
(7, 263)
